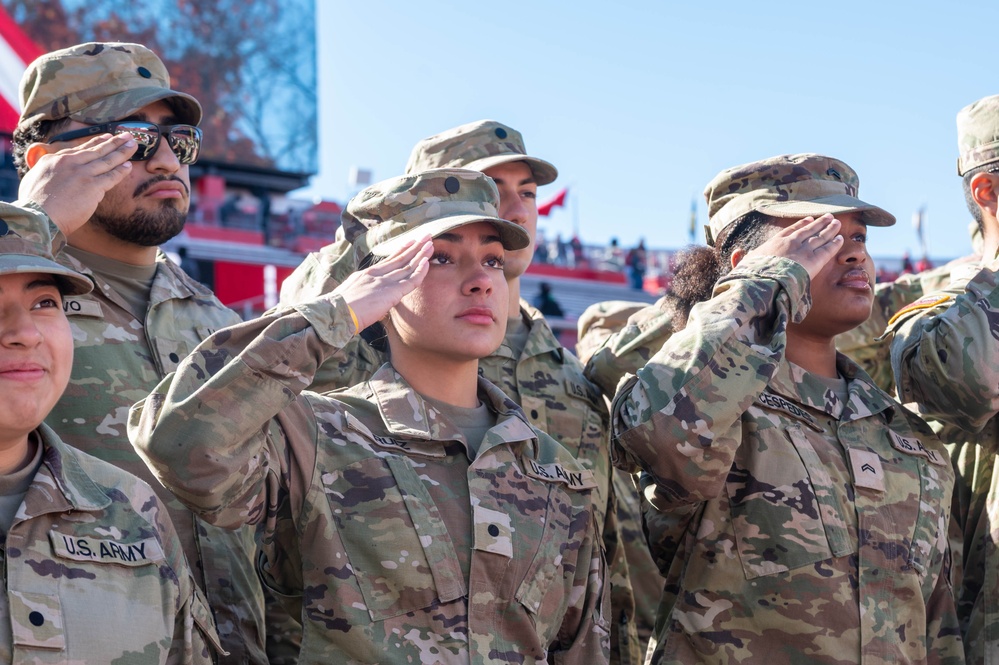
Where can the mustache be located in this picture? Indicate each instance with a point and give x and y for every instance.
(157, 179)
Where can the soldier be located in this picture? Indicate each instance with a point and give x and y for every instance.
(86, 111)
(944, 357)
(419, 515)
(93, 571)
(806, 510)
(531, 366)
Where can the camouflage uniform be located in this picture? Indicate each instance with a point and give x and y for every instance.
(94, 572)
(118, 361)
(804, 529)
(546, 380)
(369, 505)
(943, 355)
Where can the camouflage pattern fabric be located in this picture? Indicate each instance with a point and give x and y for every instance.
(94, 572)
(368, 503)
(978, 134)
(118, 360)
(548, 383)
(804, 529)
(599, 321)
(943, 355)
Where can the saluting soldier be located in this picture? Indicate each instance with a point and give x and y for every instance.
(418, 515)
(802, 512)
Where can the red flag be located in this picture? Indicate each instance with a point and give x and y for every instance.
(16, 51)
(546, 208)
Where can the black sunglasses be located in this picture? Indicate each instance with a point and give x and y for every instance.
(184, 140)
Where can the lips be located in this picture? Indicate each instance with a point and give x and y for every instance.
(22, 371)
(162, 187)
(477, 316)
(856, 279)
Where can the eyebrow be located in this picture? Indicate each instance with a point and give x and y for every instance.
(526, 181)
(484, 239)
(167, 120)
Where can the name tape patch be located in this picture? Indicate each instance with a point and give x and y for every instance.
(555, 472)
(82, 307)
(914, 447)
(778, 403)
(867, 470)
(95, 550)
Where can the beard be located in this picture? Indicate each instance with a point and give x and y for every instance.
(146, 228)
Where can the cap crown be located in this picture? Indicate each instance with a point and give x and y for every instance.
(978, 134)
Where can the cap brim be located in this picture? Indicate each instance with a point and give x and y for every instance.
(834, 205)
(124, 104)
(544, 173)
(76, 284)
(512, 236)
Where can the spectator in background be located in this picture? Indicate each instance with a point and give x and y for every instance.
(637, 265)
(614, 259)
(541, 248)
(546, 303)
(578, 259)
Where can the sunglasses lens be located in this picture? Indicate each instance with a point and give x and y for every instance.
(145, 134)
(185, 141)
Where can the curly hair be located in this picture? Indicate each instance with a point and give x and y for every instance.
(36, 132)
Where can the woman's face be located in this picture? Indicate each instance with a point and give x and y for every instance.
(36, 352)
(459, 311)
(843, 292)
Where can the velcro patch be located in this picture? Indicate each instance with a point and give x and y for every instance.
(771, 401)
(99, 550)
(82, 307)
(914, 447)
(493, 532)
(556, 473)
(926, 302)
(867, 470)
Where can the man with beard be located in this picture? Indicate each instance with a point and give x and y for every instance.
(103, 147)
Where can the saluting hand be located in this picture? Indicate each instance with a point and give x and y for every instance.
(810, 242)
(70, 183)
(372, 292)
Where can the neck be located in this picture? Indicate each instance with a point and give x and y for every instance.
(513, 284)
(93, 239)
(814, 354)
(454, 382)
(15, 453)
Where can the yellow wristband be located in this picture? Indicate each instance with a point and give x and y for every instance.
(353, 317)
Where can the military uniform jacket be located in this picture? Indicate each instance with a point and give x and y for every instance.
(805, 529)
(94, 572)
(368, 502)
(944, 355)
(118, 360)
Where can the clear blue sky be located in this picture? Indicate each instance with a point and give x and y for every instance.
(640, 104)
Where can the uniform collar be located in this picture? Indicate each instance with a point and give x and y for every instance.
(405, 413)
(864, 399)
(541, 338)
(61, 471)
(169, 282)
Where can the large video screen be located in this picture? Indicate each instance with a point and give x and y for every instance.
(252, 65)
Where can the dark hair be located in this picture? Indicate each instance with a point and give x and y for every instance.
(36, 132)
(969, 197)
(699, 268)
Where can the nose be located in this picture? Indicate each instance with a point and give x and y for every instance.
(477, 282)
(852, 251)
(163, 160)
(18, 329)
(513, 209)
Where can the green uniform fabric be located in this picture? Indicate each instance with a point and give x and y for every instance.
(944, 357)
(118, 360)
(802, 529)
(94, 571)
(548, 383)
(365, 497)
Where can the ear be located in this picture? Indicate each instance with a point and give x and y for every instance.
(737, 256)
(35, 152)
(983, 190)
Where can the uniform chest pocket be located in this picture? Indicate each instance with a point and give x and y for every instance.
(786, 512)
(399, 550)
(576, 422)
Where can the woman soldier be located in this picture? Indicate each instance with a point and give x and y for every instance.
(417, 517)
(93, 571)
(800, 513)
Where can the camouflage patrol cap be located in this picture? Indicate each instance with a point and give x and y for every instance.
(477, 146)
(382, 217)
(99, 82)
(23, 253)
(978, 134)
(788, 187)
